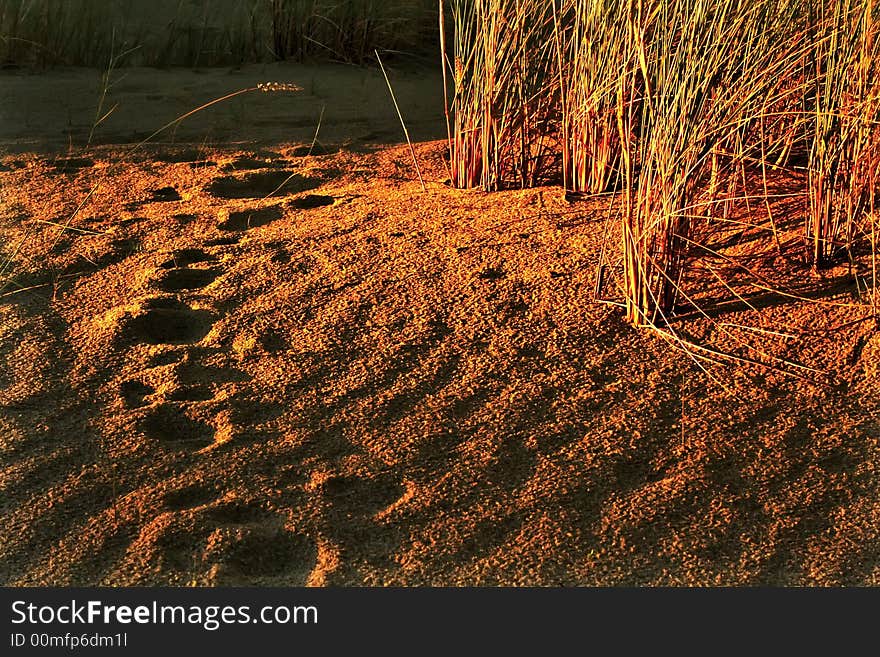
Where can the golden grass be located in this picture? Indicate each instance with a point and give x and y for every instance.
(674, 104)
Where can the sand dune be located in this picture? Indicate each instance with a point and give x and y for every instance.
(354, 382)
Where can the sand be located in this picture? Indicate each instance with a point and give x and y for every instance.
(355, 382)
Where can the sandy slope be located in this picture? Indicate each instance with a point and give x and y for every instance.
(354, 382)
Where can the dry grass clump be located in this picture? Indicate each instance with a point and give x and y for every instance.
(349, 30)
(209, 32)
(591, 42)
(45, 33)
(845, 111)
(500, 107)
(675, 106)
(699, 103)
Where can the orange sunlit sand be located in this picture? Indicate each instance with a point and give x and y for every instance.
(255, 351)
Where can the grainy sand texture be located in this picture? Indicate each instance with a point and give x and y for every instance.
(350, 381)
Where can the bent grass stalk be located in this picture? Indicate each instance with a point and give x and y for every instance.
(402, 123)
(268, 87)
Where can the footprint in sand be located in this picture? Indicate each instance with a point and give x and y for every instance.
(273, 341)
(238, 513)
(165, 195)
(190, 497)
(281, 257)
(240, 221)
(186, 257)
(195, 383)
(353, 509)
(245, 163)
(166, 358)
(226, 414)
(184, 278)
(250, 543)
(251, 554)
(168, 321)
(356, 495)
(160, 195)
(191, 395)
(312, 201)
(222, 512)
(71, 164)
(177, 418)
(169, 425)
(118, 251)
(260, 185)
(233, 543)
(232, 240)
(134, 393)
